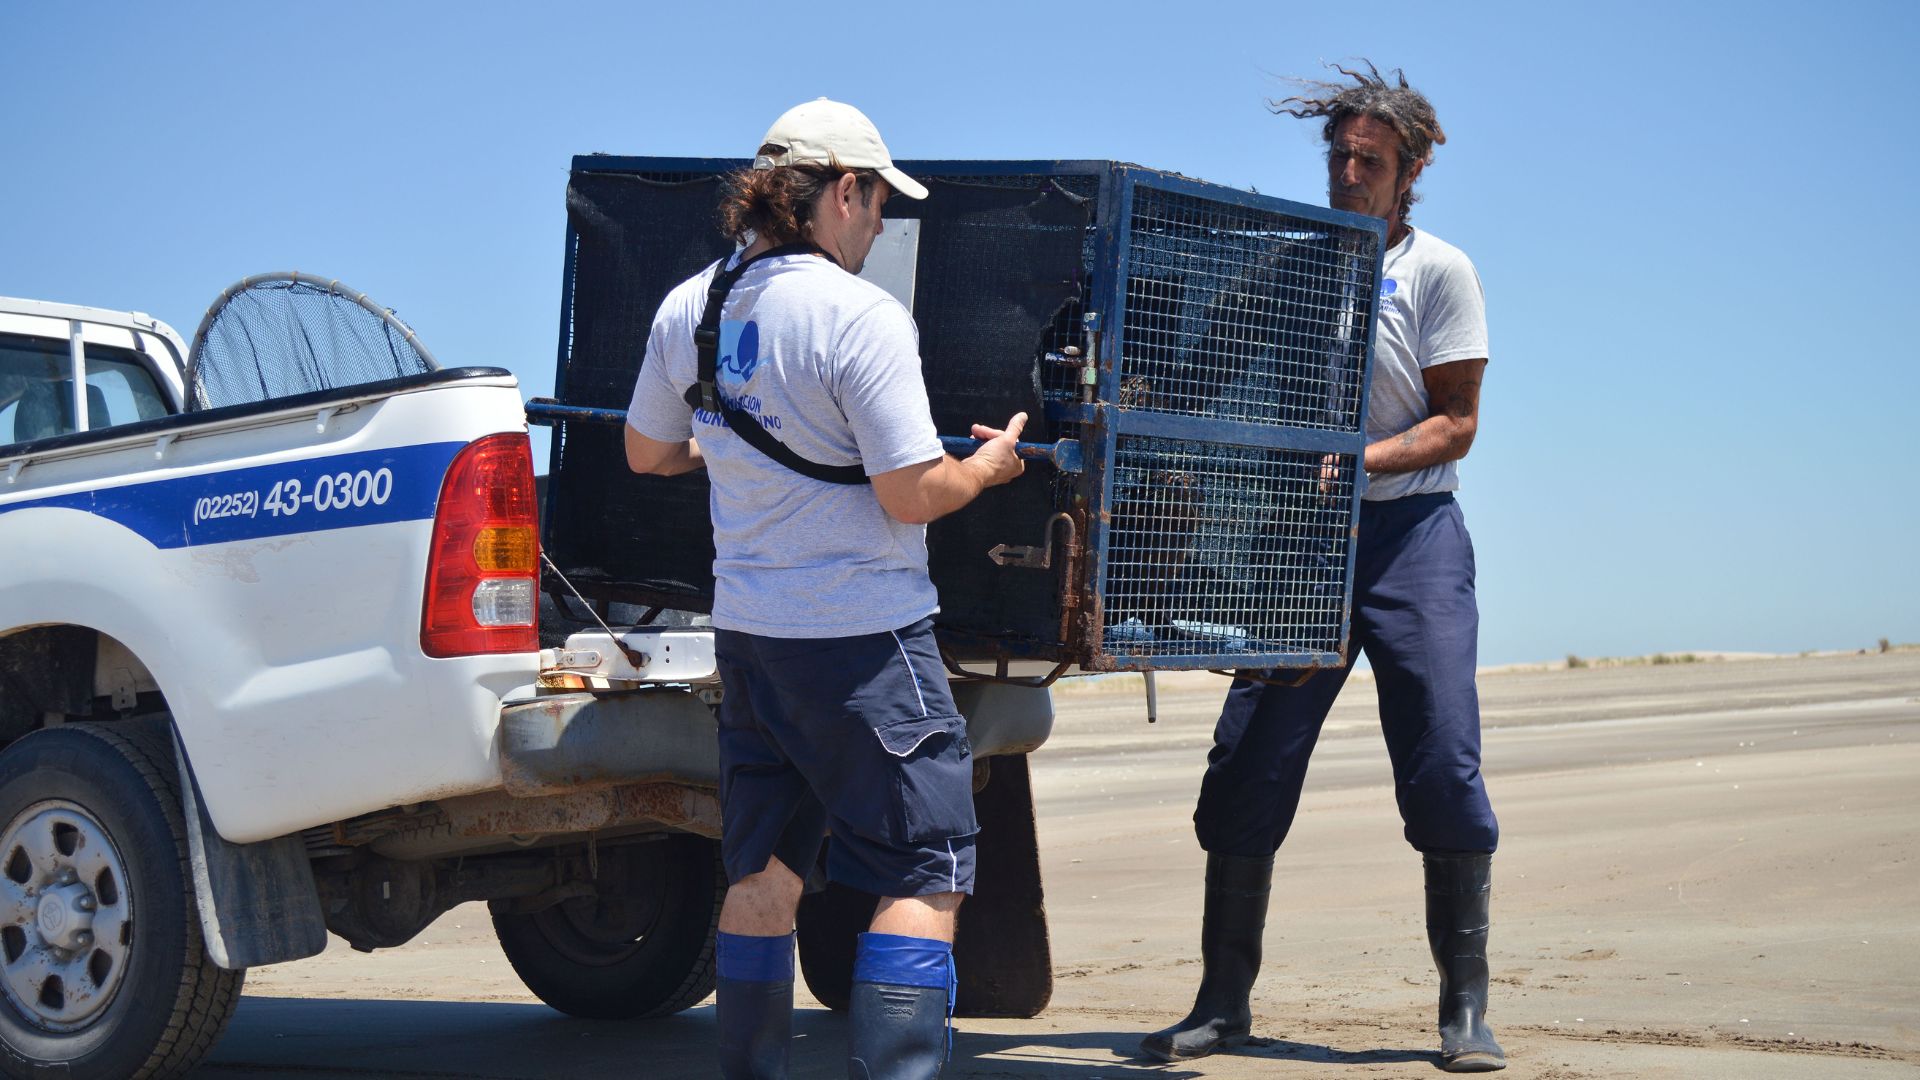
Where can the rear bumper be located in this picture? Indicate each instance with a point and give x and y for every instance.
(559, 744)
(562, 743)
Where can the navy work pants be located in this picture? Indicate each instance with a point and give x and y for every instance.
(1414, 616)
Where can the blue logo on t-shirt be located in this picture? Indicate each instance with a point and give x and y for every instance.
(739, 351)
(739, 358)
(1388, 286)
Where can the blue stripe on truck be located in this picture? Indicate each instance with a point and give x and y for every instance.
(371, 487)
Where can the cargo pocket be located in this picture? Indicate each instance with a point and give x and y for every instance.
(933, 777)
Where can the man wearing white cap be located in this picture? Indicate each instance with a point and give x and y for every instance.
(797, 386)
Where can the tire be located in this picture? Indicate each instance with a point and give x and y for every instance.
(829, 926)
(92, 839)
(643, 951)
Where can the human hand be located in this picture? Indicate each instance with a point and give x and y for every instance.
(997, 461)
(1329, 473)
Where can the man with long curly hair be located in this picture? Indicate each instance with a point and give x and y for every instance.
(1414, 613)
(813, 424)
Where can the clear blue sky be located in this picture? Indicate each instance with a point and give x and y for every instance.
(1699, 426)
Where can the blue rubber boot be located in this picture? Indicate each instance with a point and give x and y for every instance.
(899, 1017)
(754, 1000)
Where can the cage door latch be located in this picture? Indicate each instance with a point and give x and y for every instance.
(1038, 556)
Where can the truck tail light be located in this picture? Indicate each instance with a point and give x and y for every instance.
(483, 572)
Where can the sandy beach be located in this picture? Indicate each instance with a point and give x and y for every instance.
(1707, 870)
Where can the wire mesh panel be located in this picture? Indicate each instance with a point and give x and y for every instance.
(1242, 313)
(1205, 349)
(1222, 553)
(1237, 402)
(278, 335)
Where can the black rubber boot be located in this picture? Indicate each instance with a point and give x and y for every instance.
(756, 1027)
(896, 1032)
(1230, 929)
(902, 1001)
(753, 1002)
(1458, 889)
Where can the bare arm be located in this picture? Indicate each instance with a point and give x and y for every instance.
(1453, 396)
(646, 455)
(933, 489)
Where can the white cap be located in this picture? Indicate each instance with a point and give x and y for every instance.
(823, 132)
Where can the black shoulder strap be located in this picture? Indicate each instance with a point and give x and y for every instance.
(704, 394)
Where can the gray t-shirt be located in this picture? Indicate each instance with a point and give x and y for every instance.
(1432, 311)
(831, 366)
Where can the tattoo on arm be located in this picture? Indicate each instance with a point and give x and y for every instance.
(1461, 403)
(1410, 437)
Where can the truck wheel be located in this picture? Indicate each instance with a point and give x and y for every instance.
(829, 924)
(102, 969)
(642, 947)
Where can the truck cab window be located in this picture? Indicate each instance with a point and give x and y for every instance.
(120, 389)
(36, 388)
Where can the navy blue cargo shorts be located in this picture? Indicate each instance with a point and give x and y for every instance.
(1416, 618)
(857, 735)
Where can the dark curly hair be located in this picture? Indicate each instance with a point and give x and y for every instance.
(1400, 107)
(777, 204)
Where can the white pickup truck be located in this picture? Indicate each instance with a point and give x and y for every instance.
(272, 669)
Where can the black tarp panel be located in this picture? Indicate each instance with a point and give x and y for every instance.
(997, 266)
(617, 535)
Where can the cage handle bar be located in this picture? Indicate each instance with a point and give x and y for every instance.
(1063, 455)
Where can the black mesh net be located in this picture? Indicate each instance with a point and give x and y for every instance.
(278, 338)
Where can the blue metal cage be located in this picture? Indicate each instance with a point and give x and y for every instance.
(1196, 358)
